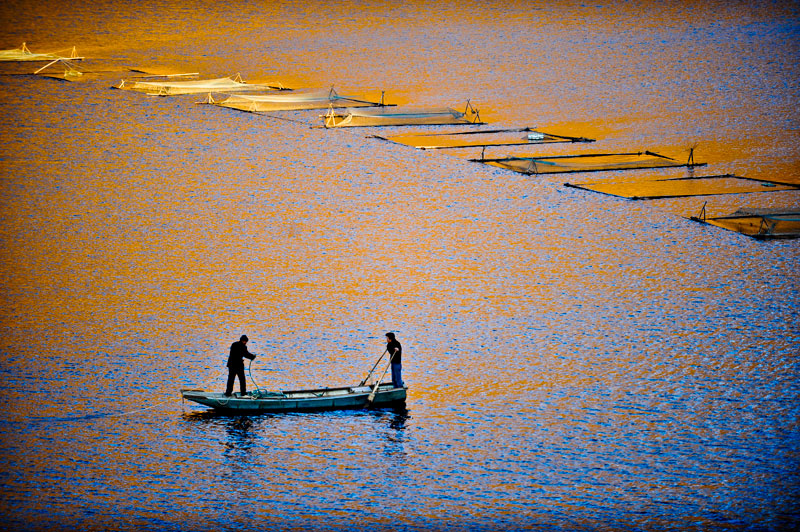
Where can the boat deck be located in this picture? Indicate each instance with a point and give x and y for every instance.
(262, 401)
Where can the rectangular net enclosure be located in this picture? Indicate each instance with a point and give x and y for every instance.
(291, 101)
(478, 139)
(24, 54)
(400, 117)
(685, 187)
(761, 224)
(170, 86)
(590, 162)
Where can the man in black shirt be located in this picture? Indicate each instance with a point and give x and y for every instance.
(236, 365)
(395, 351)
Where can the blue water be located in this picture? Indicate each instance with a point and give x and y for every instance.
(575, 361)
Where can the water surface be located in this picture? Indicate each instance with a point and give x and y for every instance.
(575, 361)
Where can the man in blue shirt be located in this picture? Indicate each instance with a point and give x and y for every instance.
(395, 351)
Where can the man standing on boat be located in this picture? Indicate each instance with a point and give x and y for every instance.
(395, 351)
(236, 365)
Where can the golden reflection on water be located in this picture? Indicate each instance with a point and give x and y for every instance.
(567, 354)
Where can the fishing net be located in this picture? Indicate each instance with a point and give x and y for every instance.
(170, 87)
(24, 54)
(290, 101)
(401, 117)
(585, 163)
(685, 187)
(760, 223)
(477, 139)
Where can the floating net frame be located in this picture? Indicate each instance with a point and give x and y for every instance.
(671, 188)
(427, 141)
(173, 88)
(564, 164)
(23, 53)
(291, 101)
(144, 74)
(761, 224)
(73, 72)
(401, 117)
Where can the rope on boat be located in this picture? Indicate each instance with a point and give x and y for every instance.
(249, 365)
(257, 392)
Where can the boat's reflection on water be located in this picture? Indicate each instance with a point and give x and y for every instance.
(392, 424)
(395, 415)
(246, 431)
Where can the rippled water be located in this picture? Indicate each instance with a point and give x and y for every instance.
(574, 361)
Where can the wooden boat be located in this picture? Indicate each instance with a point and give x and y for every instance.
(261, 402)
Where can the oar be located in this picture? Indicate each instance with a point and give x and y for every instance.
(373, 369)
(375, 388)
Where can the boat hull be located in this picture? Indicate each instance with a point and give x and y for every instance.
(356, 397)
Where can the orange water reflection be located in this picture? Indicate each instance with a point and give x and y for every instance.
(570, 356)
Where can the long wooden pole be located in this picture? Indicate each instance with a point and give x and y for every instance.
(373, 368)
(47, 65)
(373, 104)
